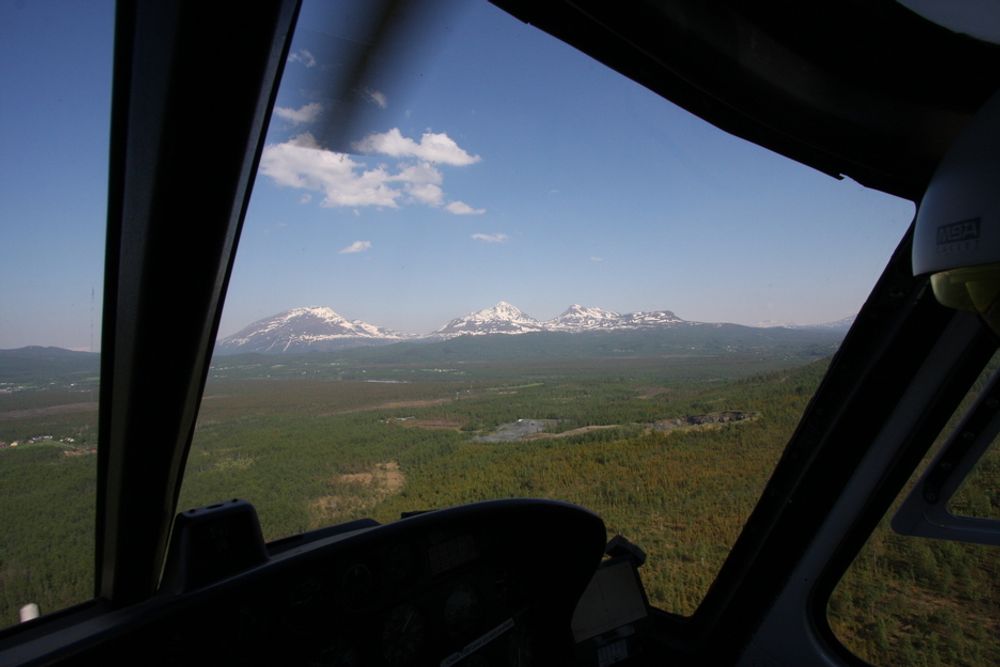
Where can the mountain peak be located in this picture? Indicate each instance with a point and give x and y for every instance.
(320, 328)
(592, 311)
(321, 312)
(503, 310)
(306, 328)
(655, 318)
(506, 318)
(503, 318)
(583, 318)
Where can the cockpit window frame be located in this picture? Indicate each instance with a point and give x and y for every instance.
(925, 511)
(158, 169)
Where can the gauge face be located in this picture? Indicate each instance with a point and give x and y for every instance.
(398, 561)
(302, 604)
(303, 591)
(461, 611)
(357, 586)
(402, 635)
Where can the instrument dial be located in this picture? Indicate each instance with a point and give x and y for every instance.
(402, 635)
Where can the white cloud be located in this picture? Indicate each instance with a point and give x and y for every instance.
(420, 173)
(461, 208)
(357, 246)
(490, 238)
(427, 193)
(345, 180)
(378, 97)
(597, 259)
(305, 114)
(433, 147)
(301, 163)
(302, 56)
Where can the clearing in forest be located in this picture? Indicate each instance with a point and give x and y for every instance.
(356, 492)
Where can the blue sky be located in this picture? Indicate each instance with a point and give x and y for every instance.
(496, 164)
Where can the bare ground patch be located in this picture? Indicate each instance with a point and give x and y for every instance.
(79, 452)
(234, 463)
(706, 422)
(382, 477)
(653, 392)
(434, 424)
(65, 408)
(570, 433)
(356, 492)
(391, 405)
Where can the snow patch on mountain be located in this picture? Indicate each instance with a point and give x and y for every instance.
(583, 318)
(503, 318)
(652, 318)
(322, 329)
(842, 324)
(302, 329)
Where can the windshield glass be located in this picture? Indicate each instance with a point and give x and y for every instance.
(55, 102)
(492, 267)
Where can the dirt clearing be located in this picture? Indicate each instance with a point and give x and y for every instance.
(356, 492)
(391, 405)
(570, 433)
(433, 424)
(65, 408)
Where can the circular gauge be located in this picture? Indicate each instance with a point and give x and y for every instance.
(357, 586)
(461, 611)
(301, 609)
(398, 562)
(402, 635)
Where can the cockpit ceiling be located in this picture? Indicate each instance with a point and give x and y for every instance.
(977, 18)
(860, 88)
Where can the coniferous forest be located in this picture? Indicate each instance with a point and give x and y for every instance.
(672, 451)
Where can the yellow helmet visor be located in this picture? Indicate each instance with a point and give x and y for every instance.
(974, 288)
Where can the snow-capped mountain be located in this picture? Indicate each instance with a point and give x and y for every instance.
(583, 318)
(302, 329)
(502, 318)
(578, 318)
(322, 329)
(651, 318)
(843, 324)
(505, 318)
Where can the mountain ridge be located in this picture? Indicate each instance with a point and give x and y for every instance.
(320, 328)
(306, 328)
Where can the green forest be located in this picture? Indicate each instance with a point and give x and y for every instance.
(672, 451)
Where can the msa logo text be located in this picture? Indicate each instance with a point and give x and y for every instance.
(958, 232)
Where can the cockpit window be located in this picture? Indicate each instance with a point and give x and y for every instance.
(908, 600)
(496, 268)
(979, 495)
(55, 78)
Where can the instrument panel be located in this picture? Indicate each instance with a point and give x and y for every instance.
(486, 584)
